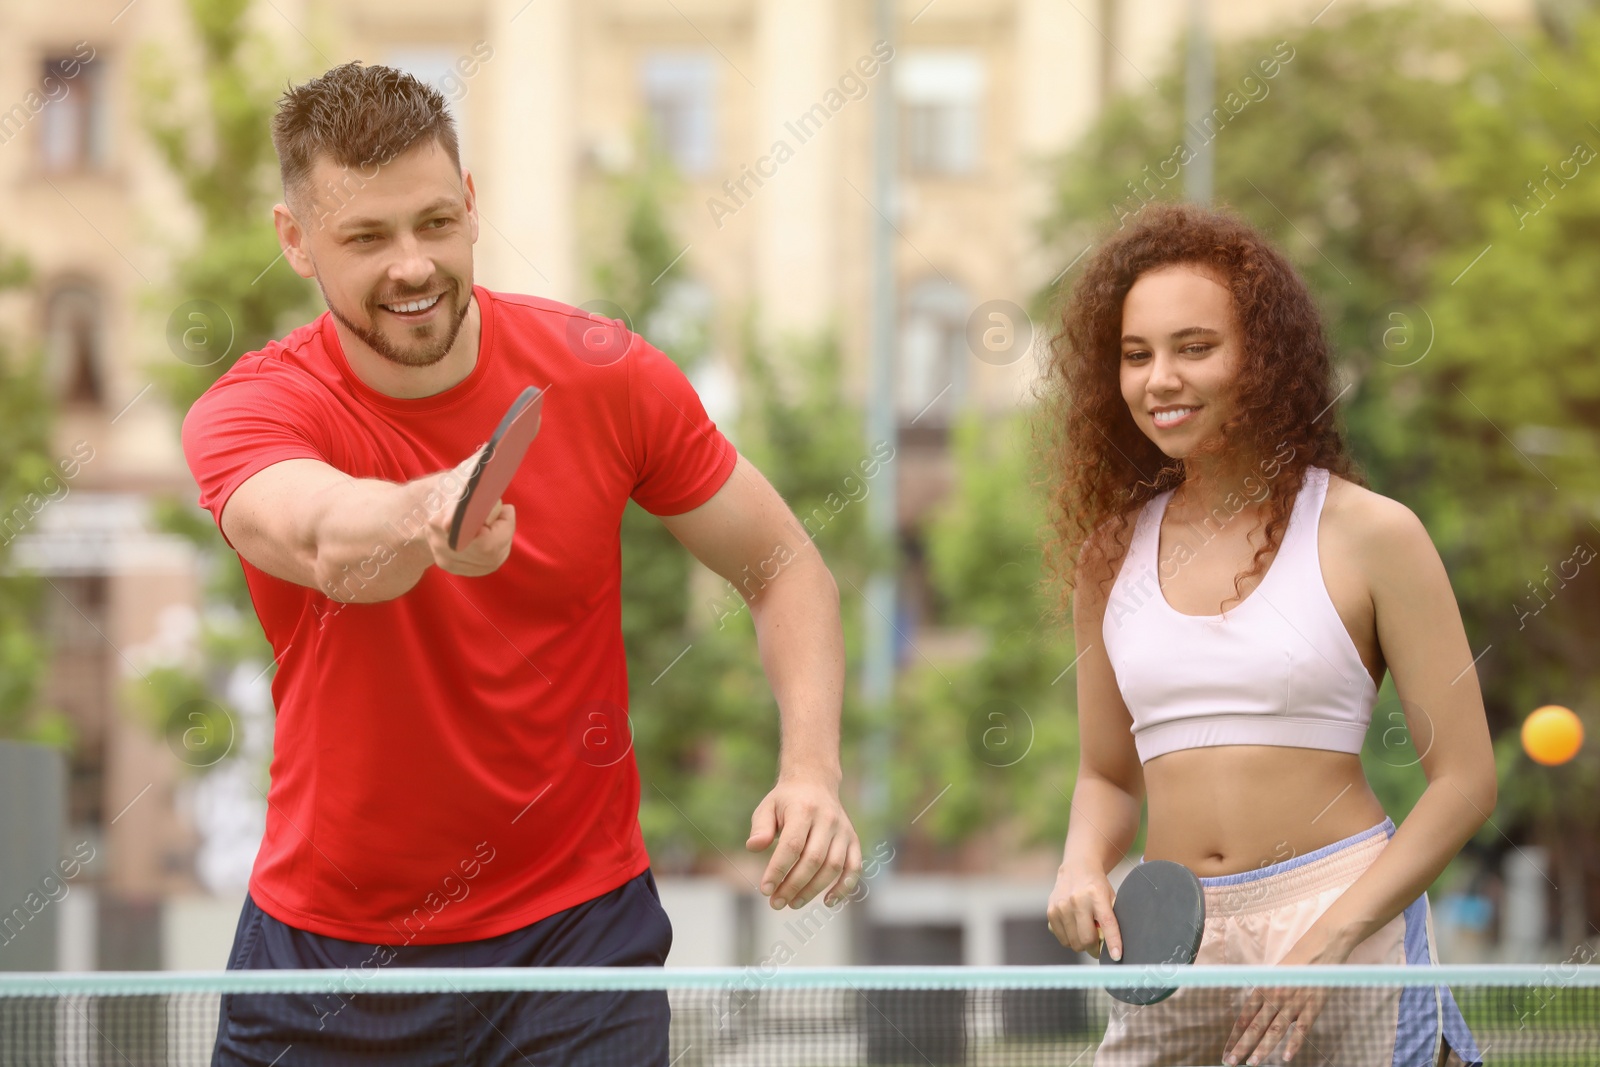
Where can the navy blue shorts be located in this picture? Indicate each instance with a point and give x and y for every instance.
(626, 927)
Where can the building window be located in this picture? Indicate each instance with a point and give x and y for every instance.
(941, 93)
(74, 340)
(680, 98)
(933, 353)
(74, 126)
(450, 71)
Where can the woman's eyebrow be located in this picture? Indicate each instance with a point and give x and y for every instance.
(1177, 335)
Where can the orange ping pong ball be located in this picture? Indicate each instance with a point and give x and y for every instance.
(1552, 735)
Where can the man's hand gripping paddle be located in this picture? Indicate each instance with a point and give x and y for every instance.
(497, 465)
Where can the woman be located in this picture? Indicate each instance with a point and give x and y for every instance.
(1231, 677)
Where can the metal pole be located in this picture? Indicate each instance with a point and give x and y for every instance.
(877, 676)
(1199, 88)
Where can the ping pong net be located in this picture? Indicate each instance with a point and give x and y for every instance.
(1519, 1016)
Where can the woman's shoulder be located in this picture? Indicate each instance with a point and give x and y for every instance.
(1366, 522)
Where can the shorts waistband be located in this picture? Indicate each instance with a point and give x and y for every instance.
(1386, 827)
(1267, 886)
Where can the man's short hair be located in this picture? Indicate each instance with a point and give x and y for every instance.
(361, 117)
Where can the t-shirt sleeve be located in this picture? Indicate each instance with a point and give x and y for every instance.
(680, 457)
(239, 427)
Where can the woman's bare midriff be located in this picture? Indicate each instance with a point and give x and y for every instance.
(1226, 809)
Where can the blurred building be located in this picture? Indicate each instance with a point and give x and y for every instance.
(766, 108)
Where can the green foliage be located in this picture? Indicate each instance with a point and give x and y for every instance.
(222, 157)
(993, 737)
(1509, 415)
(637, 255)
(677, 706)
(229, 296)
(719, 705)
(706, 727)
(169, 696)
(27, 474)
(814, 451)
(15, 271)
(1391, 756)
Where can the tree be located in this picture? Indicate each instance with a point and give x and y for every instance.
(704, 722)
(988, 748)
(229, 295)
(691, 694)
(27, 475)
(1509, 422)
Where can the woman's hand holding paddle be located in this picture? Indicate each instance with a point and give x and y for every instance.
(1080, 910)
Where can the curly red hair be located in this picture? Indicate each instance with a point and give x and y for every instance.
(1100, 467)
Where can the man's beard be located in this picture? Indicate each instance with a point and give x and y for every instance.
(429, 352)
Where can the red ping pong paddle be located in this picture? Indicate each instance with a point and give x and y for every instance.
(1161, 912)
(497, 465)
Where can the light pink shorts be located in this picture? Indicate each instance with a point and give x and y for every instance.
(1256, 917)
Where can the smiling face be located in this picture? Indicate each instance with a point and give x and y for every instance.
(390, 246)
(1180, 354)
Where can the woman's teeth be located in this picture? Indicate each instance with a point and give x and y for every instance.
(1167, 418)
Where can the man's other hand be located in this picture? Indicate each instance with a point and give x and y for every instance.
(817, 845)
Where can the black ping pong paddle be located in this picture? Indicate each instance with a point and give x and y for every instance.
(497, 465)
(1161, 912)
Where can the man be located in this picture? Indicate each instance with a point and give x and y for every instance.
(452, 782)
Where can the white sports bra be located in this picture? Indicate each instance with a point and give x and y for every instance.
(1278, 668)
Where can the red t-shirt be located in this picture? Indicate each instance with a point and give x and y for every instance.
(455, 763)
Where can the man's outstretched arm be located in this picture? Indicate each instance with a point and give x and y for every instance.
(748, 535)
(359, 540)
